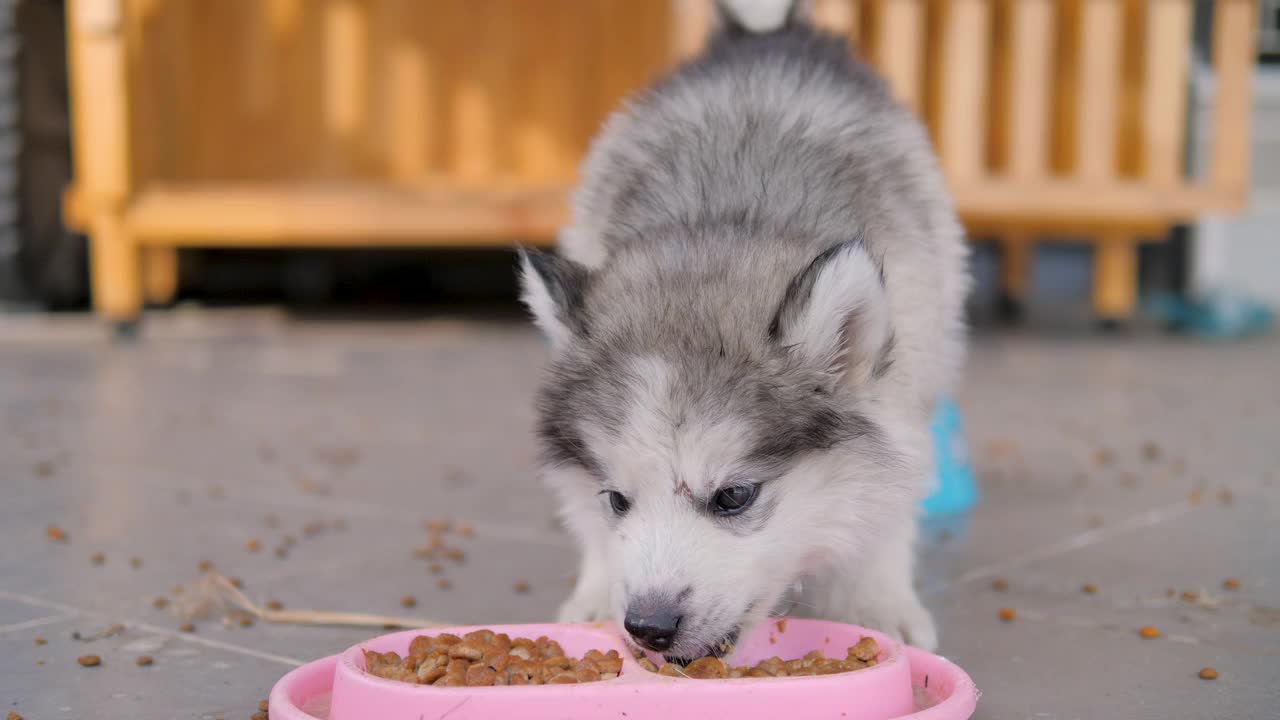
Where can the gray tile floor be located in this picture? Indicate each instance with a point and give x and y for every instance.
(186, 446)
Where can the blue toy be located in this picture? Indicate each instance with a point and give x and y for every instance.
(956, 490)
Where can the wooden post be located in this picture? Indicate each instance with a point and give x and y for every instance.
(159, 274)
(1115, 277)
(100, 128)
(1016, 251)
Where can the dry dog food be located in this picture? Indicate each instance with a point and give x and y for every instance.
(1208, 673)
(1008, 614)
(89, 660)
(861, 655)
(145, 661)
(1149, 631)
(484, 658)
(1231, 584)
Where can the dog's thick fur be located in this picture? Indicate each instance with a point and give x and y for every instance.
(762, 284)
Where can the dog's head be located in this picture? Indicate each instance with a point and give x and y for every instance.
(713, 432)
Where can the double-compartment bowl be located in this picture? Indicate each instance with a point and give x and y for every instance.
(906, 683)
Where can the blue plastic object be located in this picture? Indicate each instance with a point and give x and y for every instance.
(1218, 315)
(956, 490)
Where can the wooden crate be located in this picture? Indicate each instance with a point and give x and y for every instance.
(269, 123)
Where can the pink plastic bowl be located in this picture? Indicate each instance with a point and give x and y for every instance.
(907, 683)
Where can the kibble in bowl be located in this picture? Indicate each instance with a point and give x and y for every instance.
(588, 671)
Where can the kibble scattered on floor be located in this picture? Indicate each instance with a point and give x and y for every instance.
(89, 660)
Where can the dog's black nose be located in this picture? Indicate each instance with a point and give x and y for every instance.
(655, 630)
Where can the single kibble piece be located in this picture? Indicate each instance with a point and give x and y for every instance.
(253, 545)
(135, 562)
(1189, 596)
(160, 602)
(1149, 631)
(444, 584)
(144, 661)
(1151, 451)
(999, 584)
(1008, 614)
(13, 716)
(187, 627)
(236, 583)
(98, 558)
(1231, 584)
(89, 660)
(275, 605)
(408, 601)
(1089, 588)
(1104, 457)
(205, 566)
(707, 668)
(41, 641)
(245, 620)
(263, 705)
(259, 716)
(1208, 673)
(55, 533)
(521, 587)
(436, 568)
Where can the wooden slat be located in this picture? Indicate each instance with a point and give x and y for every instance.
(345, 72)
(1233, 56)
(266, 215)
(834, 15)
(899, 48)
(690, 23)
(1098, 78)
(1164, 101)
(962, 122)
(1030, 85)
(410, 125)
(1050, 202)
(540, 134)
(485, 34)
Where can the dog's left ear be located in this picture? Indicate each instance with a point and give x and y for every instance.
(835, 314)
(553, 288)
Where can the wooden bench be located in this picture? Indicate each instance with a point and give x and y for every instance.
(271, 123)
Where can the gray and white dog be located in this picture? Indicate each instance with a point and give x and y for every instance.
(757, 305)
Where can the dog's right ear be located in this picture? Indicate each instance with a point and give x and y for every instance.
(553, 288)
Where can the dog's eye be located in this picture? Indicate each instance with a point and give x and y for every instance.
(619, 502)
(733, 500)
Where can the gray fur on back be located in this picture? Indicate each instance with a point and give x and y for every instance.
(704, 196)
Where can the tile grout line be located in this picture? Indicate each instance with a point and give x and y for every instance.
(218, 644)
(38, 622)
(69, 612)
(1152, 517)
(38, 602)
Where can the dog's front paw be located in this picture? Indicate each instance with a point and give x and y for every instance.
(585, 605)
(901, 617)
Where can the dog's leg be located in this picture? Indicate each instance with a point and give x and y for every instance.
(590, 599)
(879, 593)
